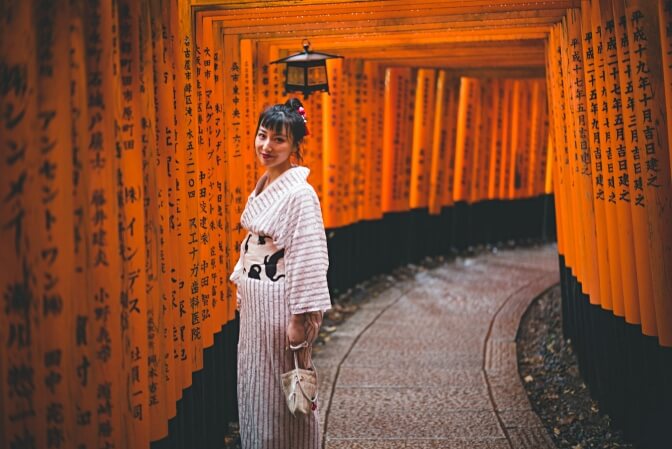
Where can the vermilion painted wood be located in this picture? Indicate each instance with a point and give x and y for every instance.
(185, 186)
(602, 162)
(638, 215)
(169, 256)
(612, 135)
(158, 281)
(423, 124)
(306, 7)
(129, 96)
(665, 22)
(655, 167)
(557, 138)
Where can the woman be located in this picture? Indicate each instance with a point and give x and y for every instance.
(282, 284)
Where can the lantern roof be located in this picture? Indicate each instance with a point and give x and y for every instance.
(307, 55)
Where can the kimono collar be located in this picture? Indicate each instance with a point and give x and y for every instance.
(289, 178)
(275, 191)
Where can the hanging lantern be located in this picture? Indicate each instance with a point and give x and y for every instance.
(306, 71)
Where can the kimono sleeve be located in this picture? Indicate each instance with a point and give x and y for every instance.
(237, 275)
(306, 256)
(238, 269)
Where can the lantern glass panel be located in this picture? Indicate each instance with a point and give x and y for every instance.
(296, 76)
(317, 75)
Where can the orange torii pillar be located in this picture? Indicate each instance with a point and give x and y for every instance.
(608, 100)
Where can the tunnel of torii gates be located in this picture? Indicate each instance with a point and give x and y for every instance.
(126, 136)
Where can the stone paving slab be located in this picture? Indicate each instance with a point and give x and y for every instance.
(520, 418)
(493, 443)
(500, 356)
(433, 324)
(471, 397)
(383, 339)
(403, 359)
(507, 320)
(359, 376)
(431, 361)
(384, 299)
(509, 397)
(387, 419)
(530, 438)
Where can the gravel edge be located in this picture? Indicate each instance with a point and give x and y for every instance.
(549, 371)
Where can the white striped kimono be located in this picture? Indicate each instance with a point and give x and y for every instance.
(287, 211)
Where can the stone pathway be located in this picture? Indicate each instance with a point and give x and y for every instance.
(431, 363)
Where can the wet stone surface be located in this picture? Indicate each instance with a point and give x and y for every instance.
(400, 443)
(418, 375)
(549, 370)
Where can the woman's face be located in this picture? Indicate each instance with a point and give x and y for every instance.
(273, 149)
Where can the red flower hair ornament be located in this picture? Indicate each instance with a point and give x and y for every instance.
(302, 113)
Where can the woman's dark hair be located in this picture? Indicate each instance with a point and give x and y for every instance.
(285, 118)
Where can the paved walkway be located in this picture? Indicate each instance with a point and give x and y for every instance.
(431, 363)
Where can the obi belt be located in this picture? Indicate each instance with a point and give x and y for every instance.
(262, 260)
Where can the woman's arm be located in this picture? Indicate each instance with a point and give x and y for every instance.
(304, 327)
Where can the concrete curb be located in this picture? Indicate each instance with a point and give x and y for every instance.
(520, 423)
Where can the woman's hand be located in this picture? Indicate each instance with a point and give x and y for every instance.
(296, 330)
(304, 329)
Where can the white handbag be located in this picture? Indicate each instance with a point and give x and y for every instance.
(300, 388)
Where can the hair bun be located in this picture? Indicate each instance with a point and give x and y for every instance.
(294, 103)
